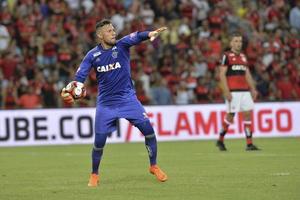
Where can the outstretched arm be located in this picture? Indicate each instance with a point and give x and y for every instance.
(137, 37)
(153, 34)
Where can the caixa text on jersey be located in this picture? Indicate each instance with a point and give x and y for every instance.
(239, 67)
(109, 67)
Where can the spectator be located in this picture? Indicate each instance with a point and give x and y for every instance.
(4, 38)
(202, 91)
(87, 5)
(263, 85)
(140, 93)
(201, 66)
(295, 16)
(184, 28)
(182, 95)
(118, 19)
(202, 9)
(44, 39)
(8, 65)
(49, 50)
(49, 94)
(29, 100)
(160, 93)
(9, 96)
(145, 79)
(147, 14)
(286, 88)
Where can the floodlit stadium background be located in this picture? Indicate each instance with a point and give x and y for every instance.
(41, 45)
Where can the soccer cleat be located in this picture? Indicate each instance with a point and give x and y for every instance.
(221, 146)
(252, 147)
(160, 175)
(94, 180)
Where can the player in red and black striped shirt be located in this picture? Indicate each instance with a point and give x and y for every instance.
(238, 89)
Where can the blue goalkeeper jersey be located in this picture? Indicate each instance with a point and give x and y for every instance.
(112, 67)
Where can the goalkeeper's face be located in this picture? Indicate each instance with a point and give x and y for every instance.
(107, 35)
(236, 44)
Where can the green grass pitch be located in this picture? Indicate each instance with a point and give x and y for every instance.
(196, 170)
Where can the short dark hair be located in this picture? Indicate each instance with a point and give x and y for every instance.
(102, 23)
(235, 34)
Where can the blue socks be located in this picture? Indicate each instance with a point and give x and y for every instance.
(96, 158)
(150, 143)
(150, 140)
(99, 143)
(151, 146)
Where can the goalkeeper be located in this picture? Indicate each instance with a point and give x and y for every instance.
(116, 95)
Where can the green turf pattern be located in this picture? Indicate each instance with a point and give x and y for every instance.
(196, 170)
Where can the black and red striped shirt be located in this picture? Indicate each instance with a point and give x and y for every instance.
(237, 65)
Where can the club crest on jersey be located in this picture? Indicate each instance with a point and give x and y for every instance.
(109, 67)
(114, 54)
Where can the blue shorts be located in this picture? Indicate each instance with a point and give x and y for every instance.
(107, 116)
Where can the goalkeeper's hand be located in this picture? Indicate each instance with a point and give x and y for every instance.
(66, 96)
(153, 34)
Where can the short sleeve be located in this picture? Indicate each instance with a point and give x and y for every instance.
(224, 60)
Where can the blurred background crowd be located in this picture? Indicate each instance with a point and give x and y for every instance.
(42, 43)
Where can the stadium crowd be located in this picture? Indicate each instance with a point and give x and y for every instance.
(42, 43)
